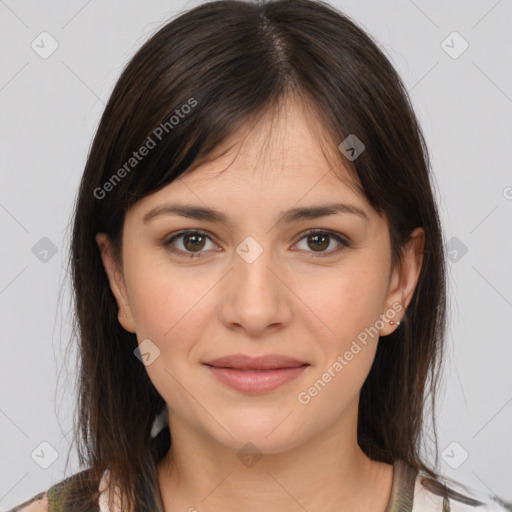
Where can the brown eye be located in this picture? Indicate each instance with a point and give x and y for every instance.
(318, 241)
(192, 243)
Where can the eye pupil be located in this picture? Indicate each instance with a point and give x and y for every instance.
(316, 237)
(193, 236)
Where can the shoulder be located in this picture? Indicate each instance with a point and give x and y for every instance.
(446, 495)
(77, 492)
(38, 503)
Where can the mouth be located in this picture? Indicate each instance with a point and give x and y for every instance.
(254, 375)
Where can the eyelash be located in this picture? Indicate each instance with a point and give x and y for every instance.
(169, 241)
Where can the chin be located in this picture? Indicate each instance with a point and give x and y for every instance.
(268, 433)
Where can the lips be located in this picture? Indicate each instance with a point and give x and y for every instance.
(255, 375)
(266, 362)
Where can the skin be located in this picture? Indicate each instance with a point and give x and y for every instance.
(285, 302)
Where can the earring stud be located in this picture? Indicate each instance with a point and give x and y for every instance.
(392, 322)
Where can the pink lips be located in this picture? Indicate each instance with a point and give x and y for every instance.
(255, 374)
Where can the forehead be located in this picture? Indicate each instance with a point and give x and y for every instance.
(284, 158)
(285, 144)
(289, 138)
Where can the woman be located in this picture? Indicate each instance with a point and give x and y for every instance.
(259, 276)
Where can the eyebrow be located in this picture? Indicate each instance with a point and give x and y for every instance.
(288, 216)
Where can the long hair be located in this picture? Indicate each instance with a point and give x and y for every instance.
(197, 80)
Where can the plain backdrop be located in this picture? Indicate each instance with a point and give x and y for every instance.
(454, 57)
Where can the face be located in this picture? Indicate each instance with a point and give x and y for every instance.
(258, 282)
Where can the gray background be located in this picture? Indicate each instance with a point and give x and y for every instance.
(50, 108)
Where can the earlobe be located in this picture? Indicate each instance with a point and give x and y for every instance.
(404, 280)
(116, 281)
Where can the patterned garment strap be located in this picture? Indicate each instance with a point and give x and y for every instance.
(402, 492)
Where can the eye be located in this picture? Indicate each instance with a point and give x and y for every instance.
(192, 241)
(320, 239)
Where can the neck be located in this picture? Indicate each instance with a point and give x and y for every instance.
(329, 472)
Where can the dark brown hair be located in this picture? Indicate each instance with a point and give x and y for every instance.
(231, 61)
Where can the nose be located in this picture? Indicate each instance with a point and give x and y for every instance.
(257, 297)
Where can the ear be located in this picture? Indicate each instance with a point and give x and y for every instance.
(403, 281)
(116, 281)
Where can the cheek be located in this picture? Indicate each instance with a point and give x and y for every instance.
(169, 307)
(346, 304)
(165, 300)
(346, 336)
